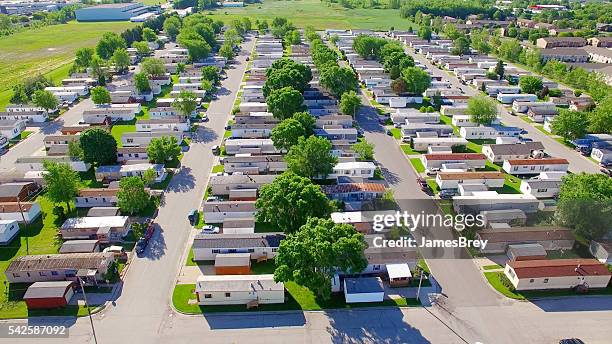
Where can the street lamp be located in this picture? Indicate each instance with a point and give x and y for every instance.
(88, 311)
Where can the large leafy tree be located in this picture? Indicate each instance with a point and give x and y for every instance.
(530, 84)
(121, 59)
(338, 80)
(311, 256)
(284, 102)
(368, 46)
(132, 196)
(61, 181)
(83, 58)
(100, 95)
(482, 110)
(350, 103)
(20, 95)
(417, 80)
(172, 27)
(152, 66)
(142, 48)
(107, 45)
(287, 133)
(186, 103)
(163, 149)
(570, 125)
(45, 100)
(365, 150)
(289, 201)
(585, 204)
(307, 122)
(211, 73)
(99, 146)
(141, 82)
(148, 34)
(600, 119)
(285, 72)
(311, 157)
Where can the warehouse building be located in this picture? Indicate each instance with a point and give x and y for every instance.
(111, 12)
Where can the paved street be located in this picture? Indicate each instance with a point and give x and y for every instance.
(578, 163)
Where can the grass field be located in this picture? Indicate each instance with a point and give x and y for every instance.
(48, 50)
(321, 16)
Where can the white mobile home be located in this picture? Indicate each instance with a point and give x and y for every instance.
(535, 166)
(143, 138)
(489, 132)
(435, 161)
(506, 98)
(35, 163)
(12, 128)
(217, 212)
(239, 290)
(542, 274)
(423, 143)
(452, 180)
(29, 116)
(491, 200)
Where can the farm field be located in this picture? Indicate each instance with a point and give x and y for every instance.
(321, 16)
(48, 50)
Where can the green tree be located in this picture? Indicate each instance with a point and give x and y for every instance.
(600, 119)
(571, 125)
(19, 95)
(211, 73)
(148, 34)
(585, 204)
(307, 122)
(61, 181)
(153, 66)
(206, 85)
(132, 196)
(480, 41)
(163, 149)
(499, 69)
(461, 46)
(172, 27)
(45, 100)
(292, 38)
(311, 256)
(482, 109)
(100, 95)
(83, 58)
(417, 80)
(530, 84)
(399, 86)
(141, 82)
(99, 146)
(287, 133)
(98, 69)
(510, 49)
(142, 48)
(289, 201)
(121, 59)
(107, 45)
(148, 177)
(311, 157)
(424, 33)
(350, 102)
(365, 150)
(186, 103)
(227, 51)
(75, 150)
(338, 80)
(284, 102)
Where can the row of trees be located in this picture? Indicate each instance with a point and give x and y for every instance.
(197, 34)
(10, 24)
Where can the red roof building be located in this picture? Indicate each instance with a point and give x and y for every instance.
(557, 274)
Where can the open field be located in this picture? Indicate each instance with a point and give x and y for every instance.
(321, 16)
(48, 50)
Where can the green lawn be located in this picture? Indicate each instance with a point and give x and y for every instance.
(297, 298)
(190, 261)
(492, 267)
(163, 184)
(48, 50)
(39, 237)
(512, 185)
(435, 188)
(320, 15)
(449, 121)
(417, 164)
(121, 128)
(408, 150)
(397, 133)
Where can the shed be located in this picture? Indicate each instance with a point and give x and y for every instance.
(103, 211)
(80, 246)
(526, 252)
(44, 295)
(399, 275)
(233, 264)
(363, 289)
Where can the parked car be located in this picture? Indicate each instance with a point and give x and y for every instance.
(571, 341)
(210, 229)
(388, 132)
(212, 199)
(216, 150)
(447, 193)
(141, 245)
(117, 251)
(606, 171)
(193, 217)
(423, 184)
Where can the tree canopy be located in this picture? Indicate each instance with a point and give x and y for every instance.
(152, 66)
(100, 95)
(99, 146)
(186, 103)
(45, 100)
(289, 201)
(132, 196)
(482, 110)
(287, 133)
(107, 45)
(350, 103)
(338, 80)
(417, 80)
(284, 102)
(163, 149)
(311, 157)
(570, 125)
(530, 84)
(61, 181)
(310, 256)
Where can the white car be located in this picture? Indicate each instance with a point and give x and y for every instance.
(209, 229)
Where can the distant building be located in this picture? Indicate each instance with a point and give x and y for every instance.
(557, 274)
(111, 12)
(560, 42)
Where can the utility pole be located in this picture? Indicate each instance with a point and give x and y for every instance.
(420, 282)
(93, 330)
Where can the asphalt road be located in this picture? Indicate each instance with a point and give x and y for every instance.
(578, 163)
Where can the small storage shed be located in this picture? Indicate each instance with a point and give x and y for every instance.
(363, 289)
(399, 275)
(80, 246)
(526, 252)
(233, 264)
(45, 295)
